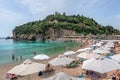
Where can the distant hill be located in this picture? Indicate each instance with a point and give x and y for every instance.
(2, 37)
(58, 25)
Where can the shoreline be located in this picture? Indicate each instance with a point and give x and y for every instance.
(52, 51)
(26, 49)
(6, 67)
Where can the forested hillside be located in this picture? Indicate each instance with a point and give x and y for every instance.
(58, 25)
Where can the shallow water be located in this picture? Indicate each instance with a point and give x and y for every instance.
(26, 49)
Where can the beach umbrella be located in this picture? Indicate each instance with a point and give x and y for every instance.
(97, 44)
(109, 45)
(101, 42)
(105, 48)
(84, 49)
(86, 55)
(69, 53)
(81, 50)
(116, 57)
(61, 61)
(26, 68)
(62, 76)
(41, 57)
(101, 51)
(88, 48)
(101, 65)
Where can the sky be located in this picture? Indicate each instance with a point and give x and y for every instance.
(17, 12)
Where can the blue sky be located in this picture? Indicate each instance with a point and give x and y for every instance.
(17, 12)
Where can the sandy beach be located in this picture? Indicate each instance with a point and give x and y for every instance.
(71, 71)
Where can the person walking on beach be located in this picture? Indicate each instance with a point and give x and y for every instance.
(13, 57)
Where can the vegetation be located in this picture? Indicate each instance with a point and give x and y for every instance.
(78, 23)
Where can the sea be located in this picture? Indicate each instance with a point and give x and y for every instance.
(27, 48)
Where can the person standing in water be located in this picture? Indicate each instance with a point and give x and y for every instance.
(20, 58)
(34, 53)
(13, 57)
(16, 59)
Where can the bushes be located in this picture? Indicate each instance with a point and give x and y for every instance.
(80, 24)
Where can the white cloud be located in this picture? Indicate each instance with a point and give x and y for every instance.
(44, 7)
(117, 16)
(111, 20)
(8, 16)
(8, 20)
(88, 3)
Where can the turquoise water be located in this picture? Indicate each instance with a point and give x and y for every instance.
(25, 49)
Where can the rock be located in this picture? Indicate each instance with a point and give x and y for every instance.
(50, 34)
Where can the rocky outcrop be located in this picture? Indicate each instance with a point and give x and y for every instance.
(50, 34)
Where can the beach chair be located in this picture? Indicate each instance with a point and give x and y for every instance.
(11, 76)
(72, 65)
(81, 60)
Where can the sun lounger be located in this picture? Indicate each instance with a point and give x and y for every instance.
(71, 65)
(11, 76)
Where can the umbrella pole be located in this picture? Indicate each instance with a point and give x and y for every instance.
(62, 68)
(28, 77)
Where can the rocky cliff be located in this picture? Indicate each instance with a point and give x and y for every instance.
(50, 34)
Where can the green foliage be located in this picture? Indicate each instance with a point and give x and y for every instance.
(78, 23)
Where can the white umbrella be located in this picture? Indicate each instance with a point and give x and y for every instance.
(105, 48)
(41, 57)
(102, 65)
(101, 51)
(86, 55)
(109, 45)
(116, 57)
(62, 76)
(69, 53)
(87, 48)
(26, 68)
(84, 49)
(81, 50)
(61, 61)
(97, 44)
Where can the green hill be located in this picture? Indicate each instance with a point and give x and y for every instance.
(58, 25)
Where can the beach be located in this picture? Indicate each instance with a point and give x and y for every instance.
(6, 67)
(71, 71)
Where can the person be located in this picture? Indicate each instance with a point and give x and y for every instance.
(16, 59)
(48, 68)
(13, 57)
(34, 53)
(20, 58)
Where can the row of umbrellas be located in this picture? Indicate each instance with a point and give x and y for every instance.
(97, 62)
(101, 65)
(44, 57)
(29, 67)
